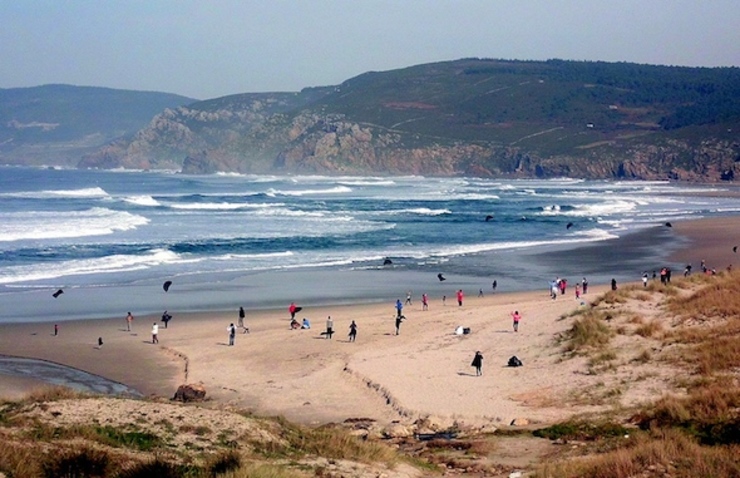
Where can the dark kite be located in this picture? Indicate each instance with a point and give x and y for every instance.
(441, 277)
(488, 218)
(166, 285)
(569, 225)
(57, 293)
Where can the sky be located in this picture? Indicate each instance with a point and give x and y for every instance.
(211, 48)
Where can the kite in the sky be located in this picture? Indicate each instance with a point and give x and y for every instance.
(668, 224)
(570, 224)
(166, 285)
(441, 277)
(488, 218)
(387, 261)
(734, 249)
(57, 293)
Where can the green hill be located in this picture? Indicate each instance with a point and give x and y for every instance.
(479, 117)
(52, 123)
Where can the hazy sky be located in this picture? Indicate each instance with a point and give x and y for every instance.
(209, 48)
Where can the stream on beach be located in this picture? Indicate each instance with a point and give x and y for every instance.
(62, 375)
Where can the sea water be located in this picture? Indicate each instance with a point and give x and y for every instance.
(110, 239)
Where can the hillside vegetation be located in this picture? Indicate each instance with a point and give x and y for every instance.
(56, 124)
(475, 117)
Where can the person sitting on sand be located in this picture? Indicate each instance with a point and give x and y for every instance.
(294, 324)
(306, 324)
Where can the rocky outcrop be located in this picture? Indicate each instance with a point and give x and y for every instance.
(390, 123)
(190, 393)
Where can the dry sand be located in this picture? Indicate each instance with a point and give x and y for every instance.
(423, 371)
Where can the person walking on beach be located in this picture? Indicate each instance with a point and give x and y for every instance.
(155, 332)
(399, 308)
(329, 327)
(494, 285)
(166, 317)
(129, 320)
(231, 329)
(554, 289)
(578, 290)
(644, 279)
(516, 317)
(480, 292)
(292, 309)
(614, 284)
(399, 319)
(460, 297)
(240, 322)
(56, 330)
(478, 363)
(352, 331)
(408, 298)
(424, 301)
(584, 283)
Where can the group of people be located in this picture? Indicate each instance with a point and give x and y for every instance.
(559, 286)
(166, 317)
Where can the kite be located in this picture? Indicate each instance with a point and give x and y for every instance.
(166, 285)
(570, 224)
(668, 224)
(57, 293)
(441, 277)
(387, 261)
(488, 218)
(734, 249)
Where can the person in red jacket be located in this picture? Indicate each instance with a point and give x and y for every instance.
(460, 297)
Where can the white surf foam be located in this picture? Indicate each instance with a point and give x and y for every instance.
(58, 225)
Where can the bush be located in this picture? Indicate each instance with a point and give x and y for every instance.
(85, 463)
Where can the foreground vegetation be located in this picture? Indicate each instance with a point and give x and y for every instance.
(692, 430)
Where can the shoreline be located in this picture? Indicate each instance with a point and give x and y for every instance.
(308, 379)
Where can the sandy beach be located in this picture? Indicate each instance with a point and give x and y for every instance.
(425, 370)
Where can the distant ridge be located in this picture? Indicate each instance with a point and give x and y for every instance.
(475, 117)
(57, 123)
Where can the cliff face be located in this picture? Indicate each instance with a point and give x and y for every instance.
(455, 119)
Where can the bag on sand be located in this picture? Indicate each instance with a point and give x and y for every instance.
(515, 362)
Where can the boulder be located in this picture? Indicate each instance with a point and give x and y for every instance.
(519, 422)
(396, 430)
(434, 423)
(192, 392)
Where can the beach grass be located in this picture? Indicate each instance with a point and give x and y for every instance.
(680, 435)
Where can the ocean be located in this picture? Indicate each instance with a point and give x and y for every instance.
(110, 239)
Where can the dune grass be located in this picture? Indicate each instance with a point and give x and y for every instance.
(681, 435)
(668, 453)
(588, 333)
